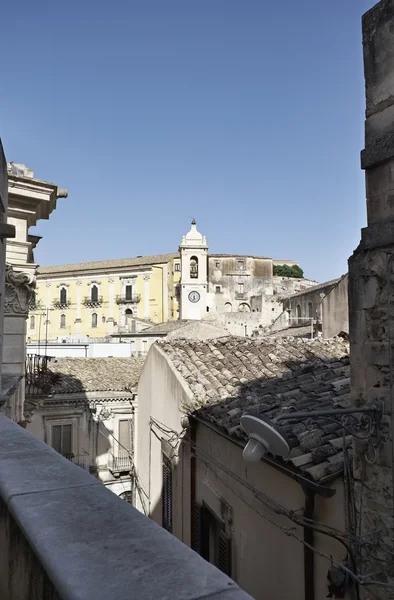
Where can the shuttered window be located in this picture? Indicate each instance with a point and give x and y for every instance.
(126, 436)
(167, 494)
(62, 439)
(209, 538)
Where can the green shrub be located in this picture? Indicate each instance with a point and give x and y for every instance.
(287, 271)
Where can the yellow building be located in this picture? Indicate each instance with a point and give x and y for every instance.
(99, 299)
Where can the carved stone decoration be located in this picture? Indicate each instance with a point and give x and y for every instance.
(19, 289)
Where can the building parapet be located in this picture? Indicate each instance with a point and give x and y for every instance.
(64, 535)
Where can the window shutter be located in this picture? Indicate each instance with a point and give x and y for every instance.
(167, 495)
(224, 553)
(196, 528)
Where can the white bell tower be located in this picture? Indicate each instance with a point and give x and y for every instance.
(194, 275)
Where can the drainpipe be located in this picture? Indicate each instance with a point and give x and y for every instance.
(309, 557)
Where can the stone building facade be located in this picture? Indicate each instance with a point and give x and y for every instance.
(371, 297)
(116, 297)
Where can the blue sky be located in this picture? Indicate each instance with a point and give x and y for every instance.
(245, 114)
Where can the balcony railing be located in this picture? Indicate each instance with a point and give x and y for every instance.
(64, 528)
(83, 461)
(37, 375)
(62, 305)
(128, 299)
(241, 295)
(120, 463)
(88, 301)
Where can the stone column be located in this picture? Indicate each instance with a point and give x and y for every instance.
(78, 319)
(371, 306)
(146, 296)
(110, 318)
(47, 325)
(19, 288)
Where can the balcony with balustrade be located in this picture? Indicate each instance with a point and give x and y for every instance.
(38, 378)
(63, 534)
(128, 298)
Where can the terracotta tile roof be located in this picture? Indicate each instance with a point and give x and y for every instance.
(229, 377)
(73, 375)
(104, 265)
(316, 288)
(188, 329)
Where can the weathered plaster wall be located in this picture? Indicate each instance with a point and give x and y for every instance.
(335, 310)
(261, 552)
(161, 396)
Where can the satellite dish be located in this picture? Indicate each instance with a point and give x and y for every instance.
(263, 438)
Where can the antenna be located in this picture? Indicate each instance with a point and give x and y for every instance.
(263, 439)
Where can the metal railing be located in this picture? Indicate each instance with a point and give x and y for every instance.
(37, 375)
(83, 461)
(120, 462)
(125, 298)
(88, 301)
(57, 304)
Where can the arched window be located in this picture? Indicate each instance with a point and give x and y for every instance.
(32, 322)
(62, 321)
(310, 310)
(94, 320)
(103, 320)
(228, 307)
(94, 293)
(298, 313)
(63, 295)
(194, 267)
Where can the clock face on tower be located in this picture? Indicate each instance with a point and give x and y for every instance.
(194, 296)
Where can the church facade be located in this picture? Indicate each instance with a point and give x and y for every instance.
(97, 300)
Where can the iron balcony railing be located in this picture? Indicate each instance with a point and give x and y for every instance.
(126, 299)
(83, 461)
(37, 375)
(58, 304)
(121, 462)
(88, 301)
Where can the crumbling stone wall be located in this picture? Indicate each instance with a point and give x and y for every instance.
(371, 308)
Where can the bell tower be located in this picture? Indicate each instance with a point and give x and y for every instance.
(194, 276)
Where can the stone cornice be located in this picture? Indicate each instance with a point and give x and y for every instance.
(19, 289)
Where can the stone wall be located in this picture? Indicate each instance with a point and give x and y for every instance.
(371, 306)
(64, 535)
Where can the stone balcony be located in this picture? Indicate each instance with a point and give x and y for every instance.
(64, 535)
(128, 299)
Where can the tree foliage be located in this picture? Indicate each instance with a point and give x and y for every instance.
(287, 271)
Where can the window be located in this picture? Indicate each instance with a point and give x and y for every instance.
(210, 539)
(63, 295)
(177, 266)
(128, 496)
(62, 321)
(103, 319)
(218, 289)
(194, 267)
(298, 309)
(32, 322)
(166, 499)
(240, 288)
(61, 439)
(94, 293)
(94, 320)
(310, 310)
(126, 436)
(241, 265)
(128, 292)
(217, 264)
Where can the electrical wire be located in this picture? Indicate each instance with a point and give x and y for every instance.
(276, 507)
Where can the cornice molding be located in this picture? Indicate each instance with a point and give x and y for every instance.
(19, 289)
